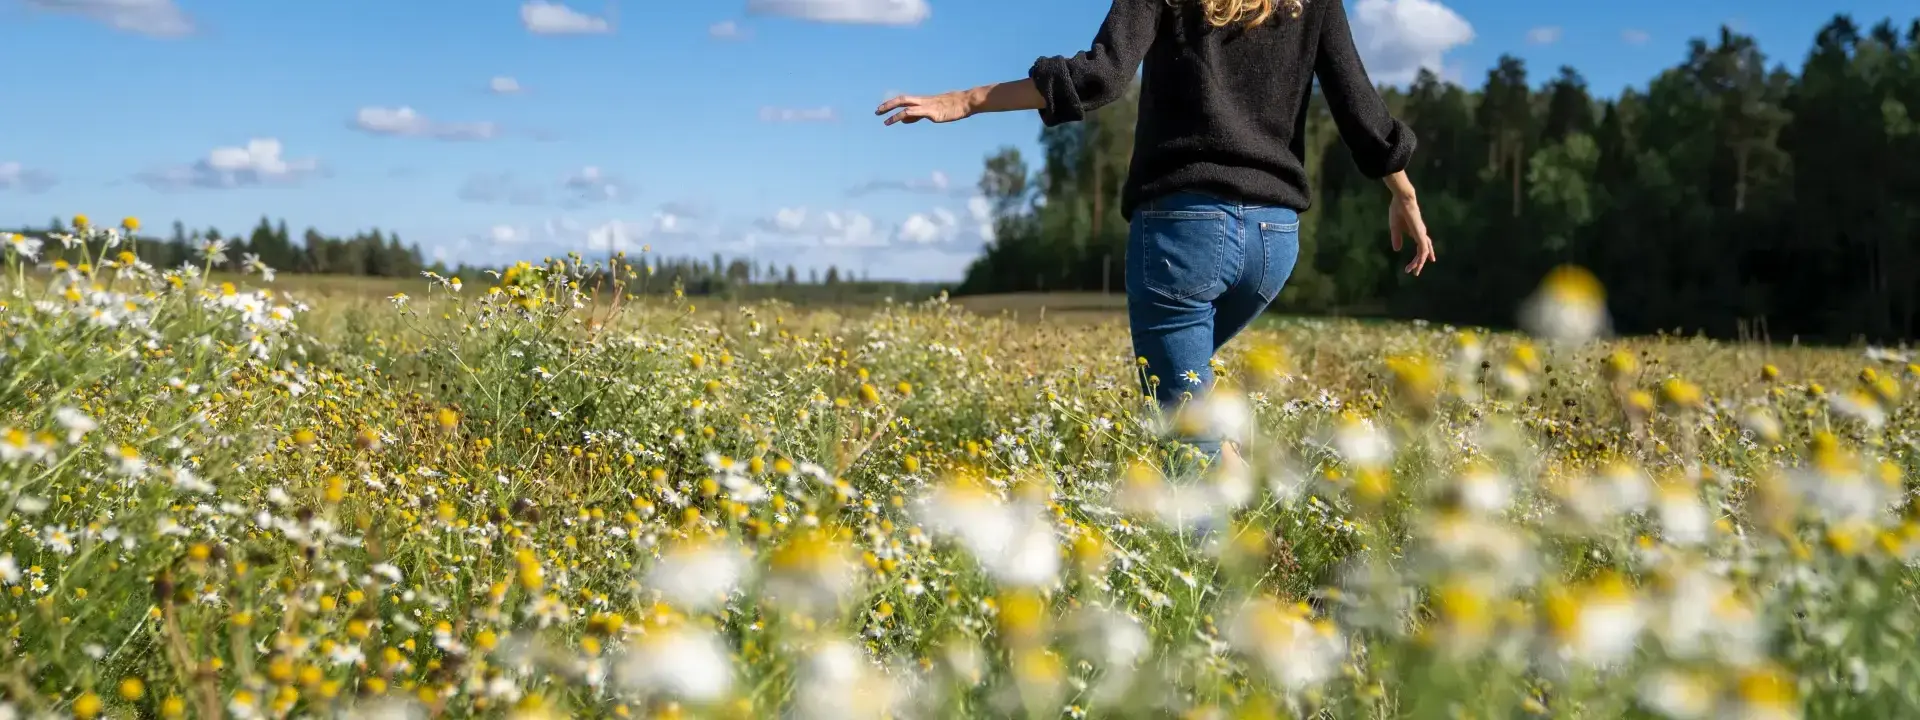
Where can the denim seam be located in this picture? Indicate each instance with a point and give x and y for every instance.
(1241, 274)
(1267, 258)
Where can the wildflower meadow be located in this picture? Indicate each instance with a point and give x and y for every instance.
(534, 495)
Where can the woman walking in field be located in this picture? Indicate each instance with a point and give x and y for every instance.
(1218, 176)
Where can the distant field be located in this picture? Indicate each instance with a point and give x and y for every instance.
(1058, 307)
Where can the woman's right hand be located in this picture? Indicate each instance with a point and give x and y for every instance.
(942, 108)
(1404, 221)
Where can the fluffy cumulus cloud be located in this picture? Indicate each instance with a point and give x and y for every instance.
(928, 228)
(868, 12)
(785, 221)
(665, 226)
(552, 18)
(153, 18)
(261, 162)
(941, 226)
(406, 122)
(800, 227)
(1397, 38)
(504, 85)
(666, 231)
(797, 115)
(980, 212)
(15, 176)
(803, 227)
(506, 235)
(1545, 35)
(850, 229)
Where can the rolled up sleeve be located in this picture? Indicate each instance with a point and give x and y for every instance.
(1077, 85)
(1381, 145)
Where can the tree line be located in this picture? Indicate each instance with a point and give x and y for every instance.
(1725, 196)
(376, 253)
(371, 252)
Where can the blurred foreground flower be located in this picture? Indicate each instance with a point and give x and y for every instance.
(1569, 307)
(1597, 624)
(1297, 652)
(698, 574)
(1013, 540)
(838, 682)
(682, 663)
(812, 573)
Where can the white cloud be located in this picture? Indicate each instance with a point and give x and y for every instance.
(1635, 37)
(801, 227)
(1546, 35)
(15, 176)
(506, 235)
(504, 85)
(870, 12)
(786, 221)
(796, 115)
(925, 229)
(1398, 37)
(405, 122)
(940, 226)
(551, 18)
(981, 211)
(616, 236)
(850, 229)
(153, 18)
(259, 163)
(631, 235)
(726, 30)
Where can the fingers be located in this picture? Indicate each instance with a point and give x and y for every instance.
(1422, 254)
(910, 115)
(1393, 231)
(897, 103)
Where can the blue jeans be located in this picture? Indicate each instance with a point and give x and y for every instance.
(1199, 270)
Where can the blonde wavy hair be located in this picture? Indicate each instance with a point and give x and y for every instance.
(1221, 13)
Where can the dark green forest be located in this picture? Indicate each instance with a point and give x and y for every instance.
(1729, 196)
(372, 252)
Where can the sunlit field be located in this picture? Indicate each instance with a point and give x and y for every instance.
(511, 497)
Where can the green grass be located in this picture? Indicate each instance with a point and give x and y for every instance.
(498, 504)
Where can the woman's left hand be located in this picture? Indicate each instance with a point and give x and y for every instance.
(942, 108)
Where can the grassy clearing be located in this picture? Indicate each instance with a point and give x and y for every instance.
(505, 501)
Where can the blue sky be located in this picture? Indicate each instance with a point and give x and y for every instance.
(488, 130)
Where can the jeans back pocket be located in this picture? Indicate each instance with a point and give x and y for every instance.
(1280, 249)
(1180, 251)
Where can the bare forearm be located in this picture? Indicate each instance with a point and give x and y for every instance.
(1398, 183)
(1005, 97)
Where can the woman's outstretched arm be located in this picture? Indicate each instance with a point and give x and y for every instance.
(1063, 89)
(948, 107)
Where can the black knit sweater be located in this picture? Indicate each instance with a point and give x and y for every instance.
(1224, 110)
